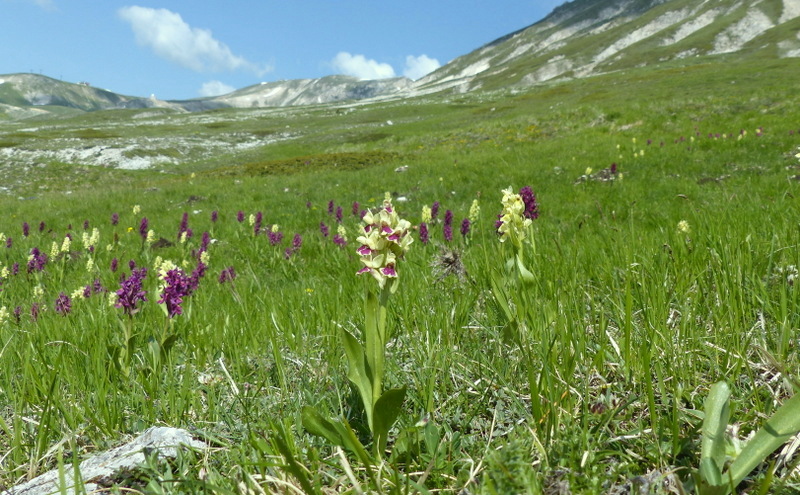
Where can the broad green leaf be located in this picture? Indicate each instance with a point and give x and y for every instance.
(337, 432)
(385, 413)
(316, 424)
(524, 273)
(712, 452)
(778, 429)
(359, 373)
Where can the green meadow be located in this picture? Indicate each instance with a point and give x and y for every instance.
(591, 374)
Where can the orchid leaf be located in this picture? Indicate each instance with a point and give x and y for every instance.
(359, 373)
(385, 413)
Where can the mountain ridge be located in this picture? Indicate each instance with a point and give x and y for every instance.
(577, 39)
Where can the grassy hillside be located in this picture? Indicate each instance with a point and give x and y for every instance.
(590, 378)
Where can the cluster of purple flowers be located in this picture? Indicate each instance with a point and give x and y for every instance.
(447, 230)
(144, 226)
(423, 233)
(177, 287)
(36, 260)
(465, 227)
(275, 238)
(297, 243)
(93, 288)
(529, 198)
(184, 226)
(227, 275)
(131, 293)
(258, 222)
(63, 304)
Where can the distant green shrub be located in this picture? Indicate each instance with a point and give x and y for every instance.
(313, 163)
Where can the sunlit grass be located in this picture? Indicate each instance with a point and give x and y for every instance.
(647, 290)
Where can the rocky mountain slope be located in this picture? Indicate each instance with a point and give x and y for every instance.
(578, 39)
(586, 37)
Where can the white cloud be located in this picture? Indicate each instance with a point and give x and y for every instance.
(215, 88)
(45, 4)
(361, 67)
(417, 67)
(170, 37)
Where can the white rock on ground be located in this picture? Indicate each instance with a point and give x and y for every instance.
(165, 441)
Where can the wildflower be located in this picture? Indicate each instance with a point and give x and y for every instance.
(474, 211)
(151, 237)
(63, 304)
(204, 242)
(275, 236)
(80, 292)
(90, 265)
(86, 225)
(17, 313)
(176, 288)
(330, 207)
(227, 275)
(3, 315)
(36, 260)
(214, 216)
(257, 223)
(136, 209)
(90, 241)
(324, 229)
(683, 227)
(342, 231)
(114, 218)
(38, 292)
(588, 171)
(531, 206)
(251, 219)
(426, 214)
(114, 265)
(184, 224)
(66, 244)
(384, 240)
(274, 229)
(131, 292)
(434, 210)
(297, 242)
(183, 237)
(41, 226)
(448, 217)
(143, 228)
(54, 250)
(465, 226)
(9, 243)
(356, 208)
(35, 310)
(423, 233)
(26, 229)
(512, 223)
(240, 216)
(339, 240)
(338, 214)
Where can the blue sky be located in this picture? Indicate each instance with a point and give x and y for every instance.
(185, 49)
